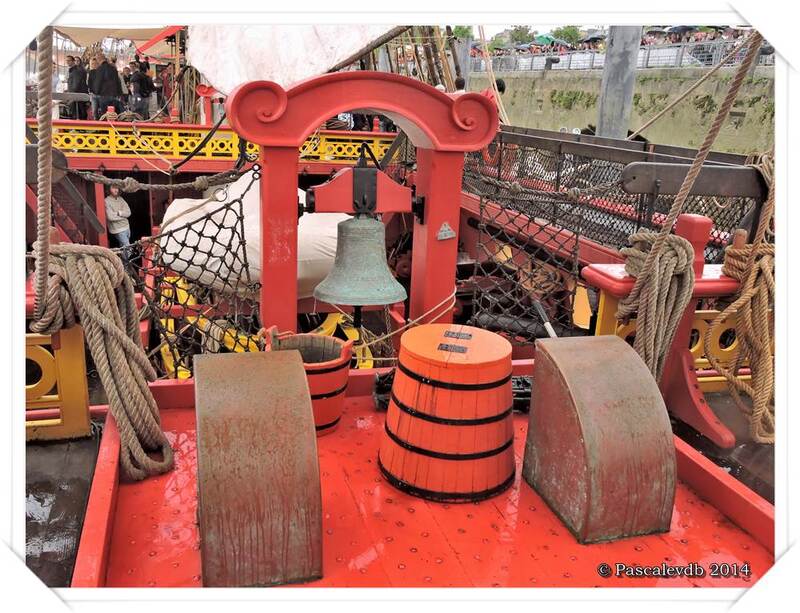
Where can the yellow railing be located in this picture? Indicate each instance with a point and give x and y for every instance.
(61, 385)
(724, 346)
(175, 141)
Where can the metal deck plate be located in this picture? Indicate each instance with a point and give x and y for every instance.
(257, 472)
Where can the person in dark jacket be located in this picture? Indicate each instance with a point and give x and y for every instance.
(92, 81)
(76, 83)
(141, 88)
(108, 86)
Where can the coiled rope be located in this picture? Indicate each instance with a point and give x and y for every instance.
(87, 283)
(653, 285)
(753, 266)
(662, 300)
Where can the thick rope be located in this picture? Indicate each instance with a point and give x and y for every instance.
(663, 300)
(753, 266)
(521, 193)
(44, 118)
(129, 184)
(89, 283)
(650, 273)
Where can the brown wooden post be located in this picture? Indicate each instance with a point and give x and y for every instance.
(451, 41)
(426, 45)
(100, 211)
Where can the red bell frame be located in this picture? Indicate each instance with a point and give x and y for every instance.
(441, 126)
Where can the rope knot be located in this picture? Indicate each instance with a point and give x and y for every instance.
(662, 265)
(201, 183)
(574, 194)
(129, 184)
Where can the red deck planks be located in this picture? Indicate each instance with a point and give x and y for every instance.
(155, 538)
(376, 536)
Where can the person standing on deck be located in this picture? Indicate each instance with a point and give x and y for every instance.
(76, 83)
(126, 90)
(92, 83)
(117, 213)
(109, 88)
(141, 88)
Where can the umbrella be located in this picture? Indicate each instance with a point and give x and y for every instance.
(522, 46)
(681, 29)
(656, 30)
(543, 39)
(593, 37)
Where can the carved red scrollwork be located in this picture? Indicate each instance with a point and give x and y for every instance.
(257, 103)
(264, 113)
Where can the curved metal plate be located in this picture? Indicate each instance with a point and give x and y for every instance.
(599, 447)
(259, 497)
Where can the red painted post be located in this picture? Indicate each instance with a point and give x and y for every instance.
(435, 250)
(100, 211)
(278, 187)
(207, 111)
(679, 384)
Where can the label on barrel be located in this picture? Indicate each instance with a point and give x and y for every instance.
(458, 335)
(452, 348)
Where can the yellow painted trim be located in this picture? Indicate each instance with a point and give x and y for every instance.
(72, 392)
(154, 140)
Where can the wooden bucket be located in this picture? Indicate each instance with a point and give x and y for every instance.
(326, 360)
(448, 431)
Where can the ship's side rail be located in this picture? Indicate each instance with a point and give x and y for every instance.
(629, 185)
(172, 141)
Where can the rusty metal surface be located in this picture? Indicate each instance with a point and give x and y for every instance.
(259, 500)
(599, 447)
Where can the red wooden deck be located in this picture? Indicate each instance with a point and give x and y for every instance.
(377, 536)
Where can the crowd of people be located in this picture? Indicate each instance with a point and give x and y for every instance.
(691, 36)
(598, 44)
(132, 89)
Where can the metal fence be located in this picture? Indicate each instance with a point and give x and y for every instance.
(698, 55)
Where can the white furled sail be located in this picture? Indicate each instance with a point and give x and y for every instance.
(228, 55)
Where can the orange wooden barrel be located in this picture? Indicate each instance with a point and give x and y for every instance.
(449, 432)
(326, 360)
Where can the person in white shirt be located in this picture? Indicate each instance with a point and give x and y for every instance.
(460, 84)
(117, 213)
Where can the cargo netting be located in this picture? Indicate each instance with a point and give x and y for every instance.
(196, 286)
(527, 267)
(516, 162)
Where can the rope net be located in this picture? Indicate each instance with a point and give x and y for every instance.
(520, 164)
(197, 286)
(527, 245)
